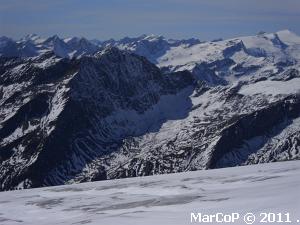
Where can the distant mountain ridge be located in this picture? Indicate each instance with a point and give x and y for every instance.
(34, 45)
(218, 62)
(72, 111)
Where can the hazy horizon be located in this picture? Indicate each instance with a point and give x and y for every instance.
(178, 19)
(116, 39)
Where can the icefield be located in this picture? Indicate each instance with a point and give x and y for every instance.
(160, 199)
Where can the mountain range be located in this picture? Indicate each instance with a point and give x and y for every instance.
(75, 110)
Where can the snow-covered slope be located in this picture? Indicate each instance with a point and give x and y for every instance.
(236, 58)
(58, 115)
(164, 199)
(217, 62)
(150, 46)
(113, 114)
(32, 45)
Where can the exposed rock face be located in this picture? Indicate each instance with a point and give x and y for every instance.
(113, 114)
(66, 114)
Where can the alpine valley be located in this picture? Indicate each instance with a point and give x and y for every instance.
(76, 110)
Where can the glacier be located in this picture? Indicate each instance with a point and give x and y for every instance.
(161, 199)
(74, 110)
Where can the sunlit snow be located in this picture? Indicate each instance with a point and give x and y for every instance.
(161, 199)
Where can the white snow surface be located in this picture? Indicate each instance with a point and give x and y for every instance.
(272, 88)
(288, 37)
(161, 199)
(234, 59)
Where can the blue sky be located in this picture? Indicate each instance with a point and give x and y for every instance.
(104, 19)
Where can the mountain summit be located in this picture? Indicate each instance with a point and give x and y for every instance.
(72, 111)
